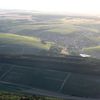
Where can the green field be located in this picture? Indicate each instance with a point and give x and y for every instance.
(31, 41)
(63, 28)
(93, 51)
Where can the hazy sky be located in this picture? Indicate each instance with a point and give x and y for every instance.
(55, 6)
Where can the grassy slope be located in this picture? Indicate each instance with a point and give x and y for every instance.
(18, 39)
(58, 27)
(92, 49)
(62, 26)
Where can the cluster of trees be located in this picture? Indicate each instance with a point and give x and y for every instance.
(13, 96)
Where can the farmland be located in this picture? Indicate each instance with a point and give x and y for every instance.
(30, 54)
(54, 29)
(16, 44)
(46, 75)
(94, 51)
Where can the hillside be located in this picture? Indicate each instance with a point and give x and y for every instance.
(74, 32)
(31, 61)
(18, 44)
(93, 51)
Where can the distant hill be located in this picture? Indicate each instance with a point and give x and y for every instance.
(73, 32)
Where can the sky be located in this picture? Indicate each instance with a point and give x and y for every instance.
(88, 7)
